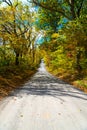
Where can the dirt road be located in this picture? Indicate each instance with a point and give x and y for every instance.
(44, 103)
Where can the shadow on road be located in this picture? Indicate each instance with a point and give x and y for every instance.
(44, 84)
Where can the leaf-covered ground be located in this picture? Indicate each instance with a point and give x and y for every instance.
(12, 78)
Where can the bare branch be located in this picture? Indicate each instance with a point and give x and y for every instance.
(8, 2)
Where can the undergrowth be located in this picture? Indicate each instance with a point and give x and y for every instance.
(12, 77)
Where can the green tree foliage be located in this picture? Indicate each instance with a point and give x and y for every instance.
(48, 21)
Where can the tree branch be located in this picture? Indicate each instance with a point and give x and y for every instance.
(8, 2)
(50, 8)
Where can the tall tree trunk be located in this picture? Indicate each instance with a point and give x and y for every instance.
(17, 59)
(33, 55)
(73, 9)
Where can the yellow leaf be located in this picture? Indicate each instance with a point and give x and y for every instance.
(55, 35)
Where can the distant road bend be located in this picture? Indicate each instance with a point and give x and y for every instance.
(44, 103)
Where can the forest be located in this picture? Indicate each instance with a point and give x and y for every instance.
(55, 30)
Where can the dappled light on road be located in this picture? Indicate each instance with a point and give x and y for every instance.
(45, 84)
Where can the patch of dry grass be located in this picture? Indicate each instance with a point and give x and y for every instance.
(76, 82)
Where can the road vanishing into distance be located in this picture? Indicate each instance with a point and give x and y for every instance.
(44, 103)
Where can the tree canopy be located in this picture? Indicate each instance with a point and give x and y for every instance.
(61, 25)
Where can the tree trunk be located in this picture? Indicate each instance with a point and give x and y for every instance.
(73, 9)
(78, 66)
(33, 55)
(17, 59)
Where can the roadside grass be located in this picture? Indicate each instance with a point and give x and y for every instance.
(12, 77)
(82, 84)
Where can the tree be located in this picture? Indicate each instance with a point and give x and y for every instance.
(76, 40)
(16, 29)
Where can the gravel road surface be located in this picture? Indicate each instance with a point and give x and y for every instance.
(44, 103)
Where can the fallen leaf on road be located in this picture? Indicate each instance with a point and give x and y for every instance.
(59, 113)
(21, 115)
